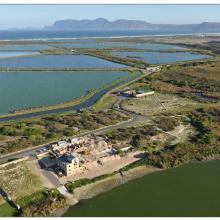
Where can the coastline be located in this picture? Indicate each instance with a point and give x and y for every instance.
(97, 37)
(94, 189)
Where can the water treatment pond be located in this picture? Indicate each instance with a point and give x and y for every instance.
(161, 57)
(24, 47)
(9, 54)
(19, 90)
(98, 44)
(59, 61)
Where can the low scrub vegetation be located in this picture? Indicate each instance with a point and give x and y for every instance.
(198, 82)
(140, 137)
(82, 182)
(43, 205)
(205, 144)
(166, 123)
(31, 132)
(127, 134)
(39, 204)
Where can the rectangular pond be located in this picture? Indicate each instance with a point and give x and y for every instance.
(59, 61)
(8, 54)
(19, 90)
(161, 57)
(99, 44)
(31, 47)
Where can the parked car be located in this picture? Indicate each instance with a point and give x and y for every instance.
(58, 172)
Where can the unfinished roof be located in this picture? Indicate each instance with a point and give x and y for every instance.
(67, 158)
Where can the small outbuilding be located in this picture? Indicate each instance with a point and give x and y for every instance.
(143, 92)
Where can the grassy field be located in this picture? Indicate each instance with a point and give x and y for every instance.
(21, 185)
(18, 180)
(7, 211)
(161, 104)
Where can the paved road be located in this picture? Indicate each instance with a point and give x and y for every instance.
(31, 151)
(50, 176)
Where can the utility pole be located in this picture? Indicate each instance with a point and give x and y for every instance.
(156, 97)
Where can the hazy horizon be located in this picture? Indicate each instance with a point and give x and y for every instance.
(38, 16)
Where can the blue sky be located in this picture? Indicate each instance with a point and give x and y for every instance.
(40, 15)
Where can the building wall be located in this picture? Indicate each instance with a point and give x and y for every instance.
(67, 168)
(144, 94)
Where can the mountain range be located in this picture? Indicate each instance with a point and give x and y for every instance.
(123, 24)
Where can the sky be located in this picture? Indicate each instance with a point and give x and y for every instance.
(37, 16)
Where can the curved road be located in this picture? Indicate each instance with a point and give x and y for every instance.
(135, 118)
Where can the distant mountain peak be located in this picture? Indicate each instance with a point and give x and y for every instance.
(125, 24)
(101, 19)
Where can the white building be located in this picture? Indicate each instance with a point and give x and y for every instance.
(153, 69)
(140, 94)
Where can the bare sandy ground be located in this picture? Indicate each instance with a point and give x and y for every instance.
(34, 167)
(150, 105)
(110, 165)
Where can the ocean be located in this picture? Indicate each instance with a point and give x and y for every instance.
(39, 34)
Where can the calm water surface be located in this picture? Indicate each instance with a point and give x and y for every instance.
(8, 54)
(34, 34)
(31, 89)
(59, 61)
(25, 47)
(157, 57)
(190, 190)
(96, 44)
